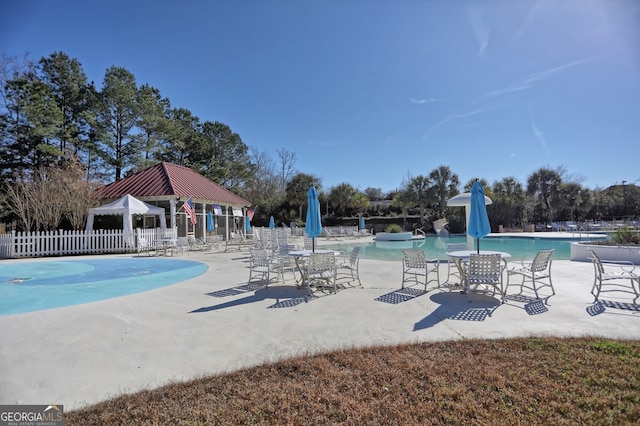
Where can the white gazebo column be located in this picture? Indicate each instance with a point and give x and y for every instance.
(226, 222)
(464, 200)
(203, 224)
(172, 212)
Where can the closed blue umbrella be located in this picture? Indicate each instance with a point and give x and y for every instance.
(479, 226)
(247, 223)
(210, 224)
(272, 223)
(362, 222)
(313, 225)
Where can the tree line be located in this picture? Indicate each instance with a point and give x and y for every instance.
(61, 137)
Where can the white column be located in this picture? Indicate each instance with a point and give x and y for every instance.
(470, 239)
(226, 221)
(172, 212)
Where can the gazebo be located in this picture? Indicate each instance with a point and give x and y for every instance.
(169, 186)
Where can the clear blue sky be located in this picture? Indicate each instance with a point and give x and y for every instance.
(369, 92)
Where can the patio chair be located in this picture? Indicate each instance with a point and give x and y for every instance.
(145, 246)
(452, 270)
(347, 270)
(308, 242)
(416, 269)
(364, 233)
(182, 245)
(283, 261)
(329, 234)
(321, 268)
(195, 244)
(484, 270)
(262, 267)
(537, 272)
(213, 242)
(613, 276)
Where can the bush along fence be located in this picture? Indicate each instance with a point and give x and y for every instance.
(62, 243)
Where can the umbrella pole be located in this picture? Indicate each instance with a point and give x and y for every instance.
(313, 245)
(478, 244)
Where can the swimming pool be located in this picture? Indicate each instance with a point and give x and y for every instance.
(38, 285)
(520, 248)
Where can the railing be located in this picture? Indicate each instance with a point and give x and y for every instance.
(62, 243)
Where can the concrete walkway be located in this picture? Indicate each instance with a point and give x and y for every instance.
(84, 354)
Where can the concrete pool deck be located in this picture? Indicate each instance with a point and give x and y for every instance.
(83, 354)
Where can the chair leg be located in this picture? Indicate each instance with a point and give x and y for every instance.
(535, 287)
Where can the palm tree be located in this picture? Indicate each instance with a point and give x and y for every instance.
(341, 197)
(420, 191)
(445, 185)
(360, 201)
(509, 202)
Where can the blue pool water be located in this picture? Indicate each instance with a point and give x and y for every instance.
(520, 248)
(38, 285)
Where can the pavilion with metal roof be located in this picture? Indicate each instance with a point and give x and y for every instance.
(170, 186)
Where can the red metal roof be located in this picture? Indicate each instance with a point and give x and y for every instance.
(170, 180)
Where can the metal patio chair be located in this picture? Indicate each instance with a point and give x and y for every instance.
(484, 270)
(536, 272)
(348, 269)
(618, 276)
(416, 269)
(321, 271)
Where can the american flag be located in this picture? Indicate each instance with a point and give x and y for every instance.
(250, 213)
(188, 208)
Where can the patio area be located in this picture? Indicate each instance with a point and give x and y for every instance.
(215, 322)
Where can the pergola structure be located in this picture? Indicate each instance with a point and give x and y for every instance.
(170, 186)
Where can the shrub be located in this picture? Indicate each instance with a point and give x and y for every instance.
(625, 236)
(393, 228)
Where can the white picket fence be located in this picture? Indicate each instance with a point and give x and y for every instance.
(63, 243)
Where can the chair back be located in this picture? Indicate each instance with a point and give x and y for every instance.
(414, 259)
(322, 264)
(485, 266)
(542, 261)
(597, 263)
(308, 243)
(259, 258)
(354, 257)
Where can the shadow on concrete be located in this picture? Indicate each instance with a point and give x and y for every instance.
(601, 306)
(400, 295)
(531, 305)
(283, 296)
(459, 307)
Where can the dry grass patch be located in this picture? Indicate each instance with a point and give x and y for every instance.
(515, 381)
